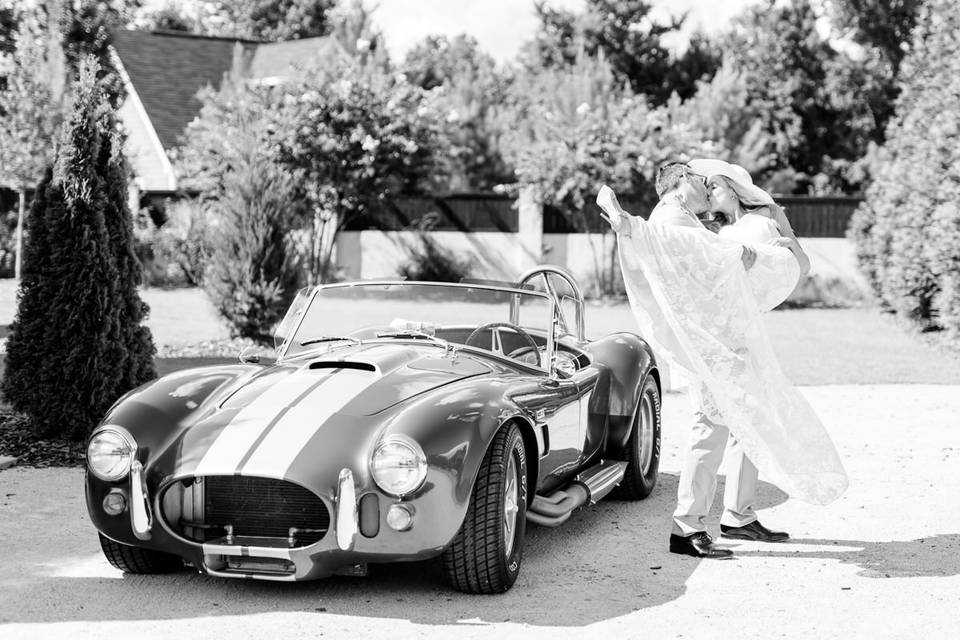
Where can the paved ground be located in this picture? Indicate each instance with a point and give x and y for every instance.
(882, 562)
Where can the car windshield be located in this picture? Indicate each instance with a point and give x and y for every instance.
(481, 316)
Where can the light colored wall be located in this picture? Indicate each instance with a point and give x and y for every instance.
(376, 254)
(149, 168)
(504, 256)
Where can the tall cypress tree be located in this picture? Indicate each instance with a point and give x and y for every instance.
(77, 343)
(136, 338)
(20, 384)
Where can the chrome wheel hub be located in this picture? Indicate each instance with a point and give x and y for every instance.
(645, 441)
(511, 502)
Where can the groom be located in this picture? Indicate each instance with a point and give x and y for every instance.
(683, 197)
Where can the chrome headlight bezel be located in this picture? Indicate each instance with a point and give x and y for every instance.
(125, 449)
(407, 456)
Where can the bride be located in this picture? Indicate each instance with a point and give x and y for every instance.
(701, 310)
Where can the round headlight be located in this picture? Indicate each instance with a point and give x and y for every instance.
(110, 454)
(398, 465)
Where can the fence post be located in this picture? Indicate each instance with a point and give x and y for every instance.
(529, 229)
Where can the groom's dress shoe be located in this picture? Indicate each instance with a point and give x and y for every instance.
(698, 545)
(753, 531)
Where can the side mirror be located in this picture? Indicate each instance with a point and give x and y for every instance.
(250, 355)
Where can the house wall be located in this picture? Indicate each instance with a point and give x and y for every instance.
(149, 164)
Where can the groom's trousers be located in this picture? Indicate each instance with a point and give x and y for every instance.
(698, 479)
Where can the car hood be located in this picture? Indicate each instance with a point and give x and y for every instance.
(262, 426)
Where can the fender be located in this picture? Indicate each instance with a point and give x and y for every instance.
(630, 360)
(471, 412)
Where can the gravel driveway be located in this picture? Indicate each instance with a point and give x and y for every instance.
(882, 562)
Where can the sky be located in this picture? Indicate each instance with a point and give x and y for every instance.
(502, 26)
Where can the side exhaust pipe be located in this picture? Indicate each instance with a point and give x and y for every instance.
(591, 485)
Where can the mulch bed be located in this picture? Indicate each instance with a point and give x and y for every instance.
(17, 439)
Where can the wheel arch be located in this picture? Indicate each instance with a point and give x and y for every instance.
(531, 450)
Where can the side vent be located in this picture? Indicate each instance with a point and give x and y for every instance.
(328, 364)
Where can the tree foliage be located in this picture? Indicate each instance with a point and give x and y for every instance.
(820, 107)
(252, 201)
(358, 137)
(9, 23)
(883, 25)
(77, 343)
(578, 129)
(169, 17)
(29, 116)
(472, 93)
(266, 20)
(253, 273)
(624, 32)
(86, 27)
(908, 230)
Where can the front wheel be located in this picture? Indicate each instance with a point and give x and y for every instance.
(485, 555)
(643, 447)
(137, 560)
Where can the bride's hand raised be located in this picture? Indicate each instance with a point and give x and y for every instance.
(611, 211)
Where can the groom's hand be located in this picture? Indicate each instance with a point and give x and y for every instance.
(748, 256)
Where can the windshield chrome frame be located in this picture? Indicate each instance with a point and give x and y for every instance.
(551, 328)
(544, 271)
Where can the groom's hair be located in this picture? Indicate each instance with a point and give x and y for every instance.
(669, 177)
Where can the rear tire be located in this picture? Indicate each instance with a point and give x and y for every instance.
(138, 560)
(485, 555)
(643, 447)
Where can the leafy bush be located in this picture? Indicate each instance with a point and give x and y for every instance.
(253, 275)
(357, 136)
(176, 254)
(78, 342)
(906, 231)
(816, 291)
(429, 261)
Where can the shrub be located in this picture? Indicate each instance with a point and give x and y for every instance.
(77, 343)
(906, 231)
(428, 260)
(433, 263)
(180, 248)
(253, 275)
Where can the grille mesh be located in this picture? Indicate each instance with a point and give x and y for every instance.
(263, 507)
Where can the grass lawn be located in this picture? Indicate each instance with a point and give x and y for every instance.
(815, 346)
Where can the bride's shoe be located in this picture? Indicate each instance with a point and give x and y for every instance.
(611, 210)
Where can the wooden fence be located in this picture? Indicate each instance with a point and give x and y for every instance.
(811, 217)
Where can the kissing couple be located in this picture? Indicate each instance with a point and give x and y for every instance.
(716, 253)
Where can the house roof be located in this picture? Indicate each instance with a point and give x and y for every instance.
(168, 68)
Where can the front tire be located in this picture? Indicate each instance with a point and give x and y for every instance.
(137, 560)
(643, 447)
(485, 555)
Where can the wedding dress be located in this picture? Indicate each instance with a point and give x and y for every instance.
(775, 274)
(701, 312)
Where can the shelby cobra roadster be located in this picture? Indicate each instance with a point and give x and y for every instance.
(401, 421)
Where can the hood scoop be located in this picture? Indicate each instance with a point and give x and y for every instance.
(343, 364)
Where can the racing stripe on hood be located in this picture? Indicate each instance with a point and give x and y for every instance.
(247, 427)
(274, 456)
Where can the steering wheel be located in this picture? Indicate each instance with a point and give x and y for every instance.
(497, 346)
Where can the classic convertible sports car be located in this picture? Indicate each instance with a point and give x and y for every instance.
(401, 421)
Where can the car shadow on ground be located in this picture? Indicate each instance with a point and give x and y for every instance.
(608, 560)
(931, 557)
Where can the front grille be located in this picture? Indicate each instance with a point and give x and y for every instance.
(252, 508)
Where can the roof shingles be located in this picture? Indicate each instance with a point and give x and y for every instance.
(167, 69)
